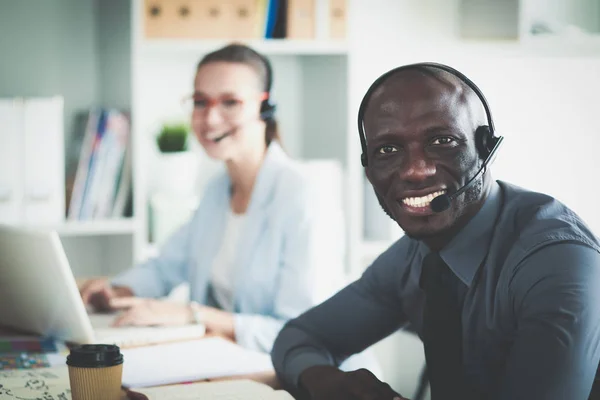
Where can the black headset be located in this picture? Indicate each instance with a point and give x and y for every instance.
(267, 107)
(485, 139)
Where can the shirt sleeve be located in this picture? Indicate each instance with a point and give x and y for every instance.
(156, 277)
(358, 316)
(555, 293)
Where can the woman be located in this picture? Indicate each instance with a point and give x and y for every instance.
(254, 252)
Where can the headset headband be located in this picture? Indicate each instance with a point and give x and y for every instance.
(442, 67)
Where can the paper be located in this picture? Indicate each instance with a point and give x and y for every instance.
(190, 361)
(226, 390)
(34, 384)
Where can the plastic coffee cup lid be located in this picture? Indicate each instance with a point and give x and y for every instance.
(95, 356)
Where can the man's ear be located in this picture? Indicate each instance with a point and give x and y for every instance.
(368, 175)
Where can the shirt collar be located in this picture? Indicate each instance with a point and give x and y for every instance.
(467, 250)
(268, 173)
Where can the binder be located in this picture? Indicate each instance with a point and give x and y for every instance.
(322, 20)
(280, 26)
(177, 19)
(44, 170)
(213, 19)
(338, 11)
(301, 19)
(32, 182)
(11, 168)
(245, 17)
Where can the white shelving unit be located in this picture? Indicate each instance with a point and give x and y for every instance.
(527, 19)
(273, 47)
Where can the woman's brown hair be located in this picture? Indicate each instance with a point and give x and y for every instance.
(239, 53)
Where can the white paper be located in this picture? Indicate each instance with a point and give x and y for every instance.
(226, 390)
(141, 335)
(190, 361)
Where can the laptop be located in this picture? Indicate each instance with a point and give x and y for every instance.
(39, 295)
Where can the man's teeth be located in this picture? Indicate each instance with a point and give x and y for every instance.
(421, 201)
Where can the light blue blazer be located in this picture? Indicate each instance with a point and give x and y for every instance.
(290, 251)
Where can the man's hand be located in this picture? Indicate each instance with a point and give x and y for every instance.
(150, 312)
(329, 383)
(98, 293)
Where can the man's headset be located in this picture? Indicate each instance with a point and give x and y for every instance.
(485, 140)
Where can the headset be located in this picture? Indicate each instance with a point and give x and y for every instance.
(486, 141)
(267, 107)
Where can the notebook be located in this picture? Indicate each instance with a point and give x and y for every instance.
(190, 361)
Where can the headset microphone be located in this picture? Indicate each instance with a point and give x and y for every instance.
(442, 202)
(223, 136)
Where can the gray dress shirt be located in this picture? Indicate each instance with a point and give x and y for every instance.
(530, 279)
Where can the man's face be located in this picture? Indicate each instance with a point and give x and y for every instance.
(421, 143)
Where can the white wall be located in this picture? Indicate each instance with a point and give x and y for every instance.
(113, 41)
(42, 57)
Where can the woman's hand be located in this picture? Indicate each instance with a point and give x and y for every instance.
(218, 322)
(147, 312)
(150, 312)
(99, 293)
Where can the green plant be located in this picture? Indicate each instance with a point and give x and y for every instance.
(173, 138)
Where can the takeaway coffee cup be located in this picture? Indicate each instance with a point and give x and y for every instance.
(95, 372)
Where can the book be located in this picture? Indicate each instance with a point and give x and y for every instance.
(243, 389)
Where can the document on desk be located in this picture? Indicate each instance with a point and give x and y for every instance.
(226, 390)
(42, 383)
(190, 361)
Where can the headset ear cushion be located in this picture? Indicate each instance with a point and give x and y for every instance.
(267, 110)
(484, 141)
(363, 159)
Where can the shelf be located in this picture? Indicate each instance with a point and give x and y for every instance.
(269, 47)
(94, 228)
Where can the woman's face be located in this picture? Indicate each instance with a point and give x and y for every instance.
(226, 109)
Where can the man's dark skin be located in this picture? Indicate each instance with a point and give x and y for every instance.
(420, 129)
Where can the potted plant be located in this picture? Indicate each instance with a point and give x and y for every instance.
(176, 171)
(173, 138)
(177, 165)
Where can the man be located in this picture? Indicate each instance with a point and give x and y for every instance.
(501, 284)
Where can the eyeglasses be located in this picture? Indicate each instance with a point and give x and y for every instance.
(228, 106)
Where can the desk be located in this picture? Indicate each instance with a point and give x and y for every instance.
(267, 378)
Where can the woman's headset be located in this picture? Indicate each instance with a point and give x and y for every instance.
(485, 139)
(267, 107)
